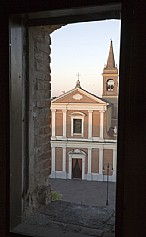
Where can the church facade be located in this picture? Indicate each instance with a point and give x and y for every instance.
(84, 130)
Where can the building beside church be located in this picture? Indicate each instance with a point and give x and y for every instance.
(84, 130)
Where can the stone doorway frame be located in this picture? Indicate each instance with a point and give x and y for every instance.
(76, 154)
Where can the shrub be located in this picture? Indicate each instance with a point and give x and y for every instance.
(55, 196)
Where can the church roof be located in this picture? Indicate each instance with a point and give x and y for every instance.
(79, 95)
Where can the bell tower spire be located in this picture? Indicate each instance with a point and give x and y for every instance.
(111, 60)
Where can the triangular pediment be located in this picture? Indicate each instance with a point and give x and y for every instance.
(78, 95)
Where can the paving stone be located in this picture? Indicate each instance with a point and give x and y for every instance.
(92, 221)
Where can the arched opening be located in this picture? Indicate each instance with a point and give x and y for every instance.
(40, 89)
(110, 85)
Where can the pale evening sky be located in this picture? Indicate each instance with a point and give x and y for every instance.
(82, 48)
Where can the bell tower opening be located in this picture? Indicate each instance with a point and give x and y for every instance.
(110, 85)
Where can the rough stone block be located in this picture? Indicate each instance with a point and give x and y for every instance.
(40, 196)
(48, 103)
(47, 147)
(40, 94)
(46, 172)
(38, 150)
(40, 120)
(41, 104)
(43, 156)
(47, 38)
(47, 113)
(46, 121)
(43, 85)
(46, 94)
(47, 129)
(41, 66)
(38, 34)
(43, 139)
(45, 164)
(40, 75)
(43, 47)
(39, 55)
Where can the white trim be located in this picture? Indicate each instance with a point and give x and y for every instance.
(77, 96)
(75, 116)
(90, 124)
(111, 178)
(100, 160)
(79, 106)
(101, 177)
(53, 162)
(114, 162)
(99, 100)
(97, 177)
(94, 177)
(53, 122)
(89, 163)
(76, 144)
(110, 96)
(58, 175)
(101, 124)
(92, 139)
(64, 162)
(64, 122)
(76, 155)
(63, 95)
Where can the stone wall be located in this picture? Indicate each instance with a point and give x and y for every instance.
(39, 74)
(39, 117)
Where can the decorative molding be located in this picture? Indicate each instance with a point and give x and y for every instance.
(76, 151)
(76, 113)
(80, 145)
(79, 106)
(64, 110)
(77, 97)
(80, 116)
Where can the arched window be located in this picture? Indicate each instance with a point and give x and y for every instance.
(110, 85)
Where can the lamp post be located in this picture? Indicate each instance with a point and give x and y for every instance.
(107, 181)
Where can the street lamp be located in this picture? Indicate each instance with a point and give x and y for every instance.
(107, 172)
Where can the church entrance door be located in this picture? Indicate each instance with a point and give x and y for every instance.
(77, 168)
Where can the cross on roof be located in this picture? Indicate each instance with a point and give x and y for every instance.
(78, 75)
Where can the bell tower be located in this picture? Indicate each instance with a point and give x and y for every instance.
(110, 84)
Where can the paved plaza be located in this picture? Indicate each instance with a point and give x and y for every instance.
(91, 193)
(82, 212)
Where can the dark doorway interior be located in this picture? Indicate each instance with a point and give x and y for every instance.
(77, 168)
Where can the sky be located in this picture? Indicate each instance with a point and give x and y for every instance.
(82, 48)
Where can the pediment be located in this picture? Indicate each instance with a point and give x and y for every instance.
(78, 95)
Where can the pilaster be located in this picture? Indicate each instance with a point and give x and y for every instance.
(64, 163)
(114, 163)
(90, 124)
(101, 124)
(53, 163)
(100, 176)
(89, 175)
(53, 122)
(64, 122)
